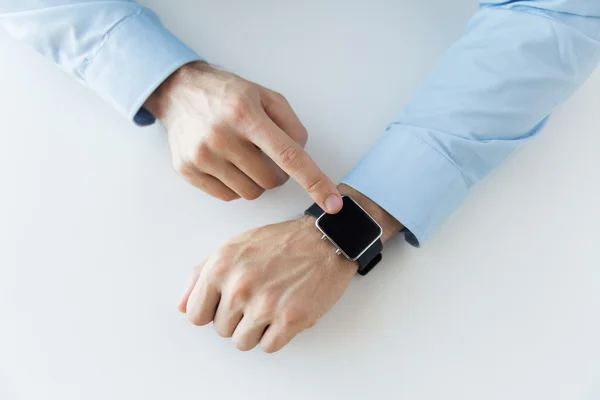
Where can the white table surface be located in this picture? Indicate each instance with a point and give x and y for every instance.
(98, 234)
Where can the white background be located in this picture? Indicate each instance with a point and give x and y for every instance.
(98, 234)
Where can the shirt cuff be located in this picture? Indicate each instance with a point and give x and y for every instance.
(136, 57)
(411, 180)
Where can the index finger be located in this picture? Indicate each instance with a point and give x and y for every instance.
(296, 162)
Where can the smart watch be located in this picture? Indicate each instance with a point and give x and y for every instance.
(353, 232)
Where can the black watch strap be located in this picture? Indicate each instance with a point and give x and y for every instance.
(369, 259)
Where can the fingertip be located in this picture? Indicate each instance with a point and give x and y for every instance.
(333, 204)
(182, 305)
(183, 300)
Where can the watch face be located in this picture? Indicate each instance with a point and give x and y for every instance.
(352, 229)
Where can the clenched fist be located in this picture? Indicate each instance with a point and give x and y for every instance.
(267, 285)
(233, 138)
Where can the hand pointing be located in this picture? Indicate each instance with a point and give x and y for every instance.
(233, 138)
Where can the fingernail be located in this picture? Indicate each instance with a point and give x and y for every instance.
(333, 203)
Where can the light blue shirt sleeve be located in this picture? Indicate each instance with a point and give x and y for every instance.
(116, 47)
(491, 92)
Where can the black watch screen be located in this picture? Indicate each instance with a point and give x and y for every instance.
(352, 230)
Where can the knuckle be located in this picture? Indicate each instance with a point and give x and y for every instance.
(237, 110)
(279, 97)
(315, 185)
(268, 346)
(263, 314)
(271, 181)
(221, 327)
(242, 289)
(217, 138)
(282, 179)
(302, 136)
(201, 183)
(253, 193)
(222, 331)
(229, 198)
(218, 270)
(251, 251)
(227, 250)
(215, 276)
(202, 154)
(197, 320)
(227, 195)
(267, 304)
(290, 157)
(183, 168)
(242, 345)
(294, 317)
(194, 320)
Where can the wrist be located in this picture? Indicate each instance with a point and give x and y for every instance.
(160, 100)
(306, 224)
(389, 224)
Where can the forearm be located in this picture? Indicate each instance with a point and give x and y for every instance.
(116, 47)
(490, 93)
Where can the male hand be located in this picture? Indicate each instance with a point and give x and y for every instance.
(233, 138)
(269, 284)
